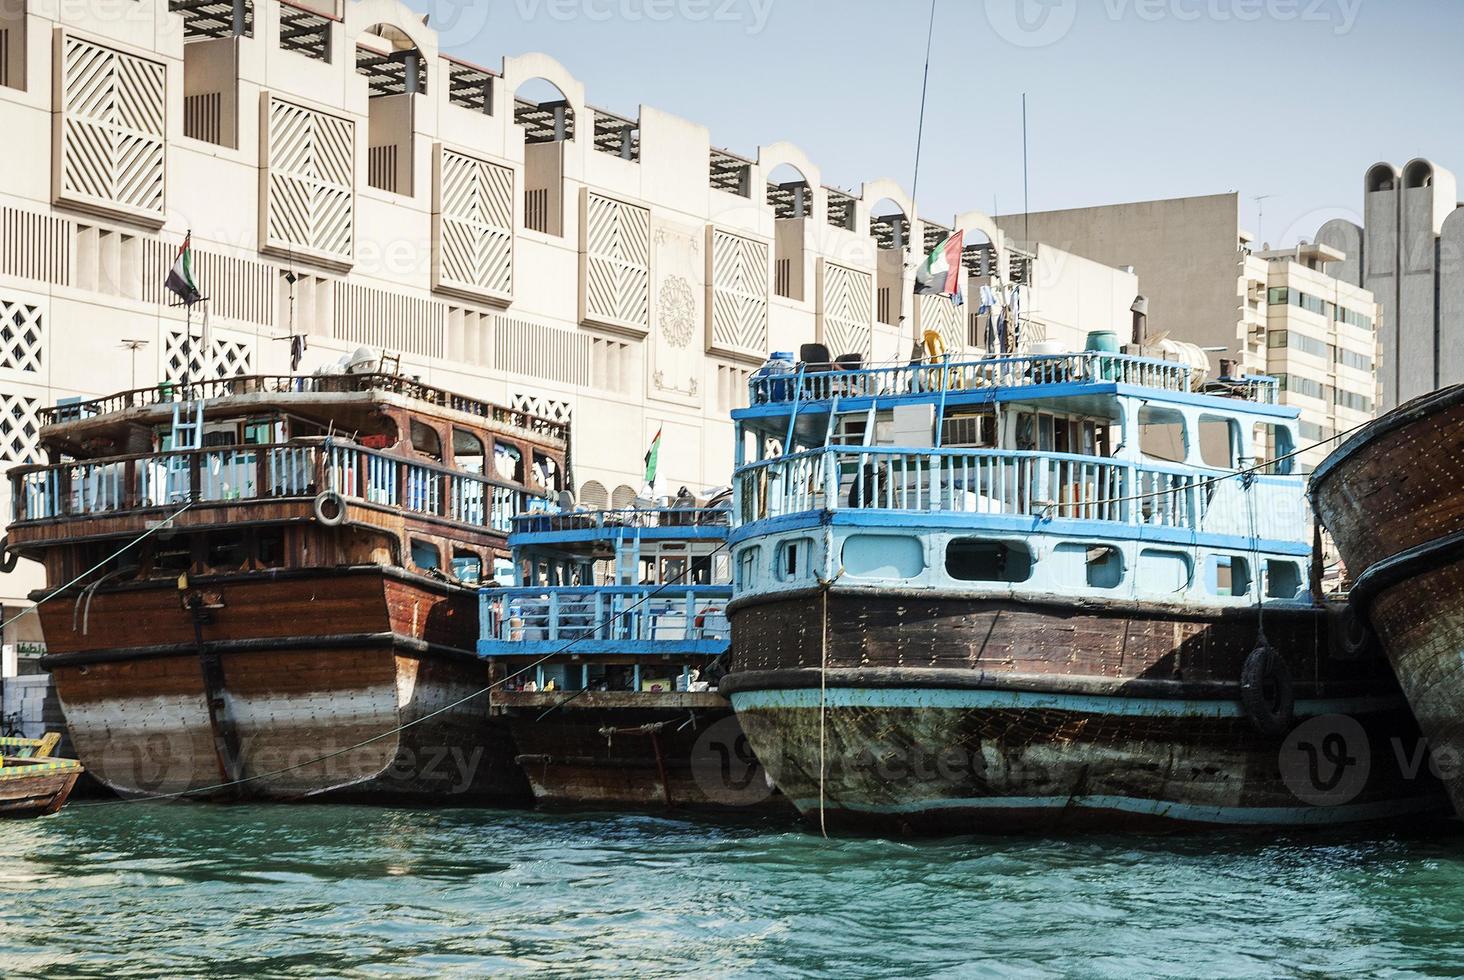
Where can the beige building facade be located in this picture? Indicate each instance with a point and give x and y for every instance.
(346, 182)
(1285, 313)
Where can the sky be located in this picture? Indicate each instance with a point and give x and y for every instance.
(1126, 99)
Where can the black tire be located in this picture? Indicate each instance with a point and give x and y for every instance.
(1349, 634)
(330, 509)
(8, 558)
(1266, 690)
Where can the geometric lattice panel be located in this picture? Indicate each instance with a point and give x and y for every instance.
(615, 258)
(22, 335)
(545, 408)
(474, 240)
(19, 427)
(112, 128)
(941, 314)
(309, 159)
(738, 280)
(223, 358)
(846, 309)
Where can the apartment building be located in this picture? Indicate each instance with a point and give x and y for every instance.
(347, 182)
(1410, 254)
(1284, 313)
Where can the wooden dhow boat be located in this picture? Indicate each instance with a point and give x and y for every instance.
(1050, 591)
(1392, 497)
(272, 579)
(33, 782)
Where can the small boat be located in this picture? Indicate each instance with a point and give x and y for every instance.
(1068, 591)
(33, 783)
(266, 585)
(1392, 497)
(604, 649)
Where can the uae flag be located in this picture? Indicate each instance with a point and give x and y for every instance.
(940, 273)
(180, 277)
(653, 459)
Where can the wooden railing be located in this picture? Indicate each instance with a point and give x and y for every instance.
(811, 383)
(122, 484)
(1023, 484)
(608, 619)
(168, 393)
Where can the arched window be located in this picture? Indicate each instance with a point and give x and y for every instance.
(426, 441)
(467, 451)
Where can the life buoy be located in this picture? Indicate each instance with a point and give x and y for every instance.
(701, 617)
(8, 558)
(1349, 635)
(330, 509)
(1265, 690)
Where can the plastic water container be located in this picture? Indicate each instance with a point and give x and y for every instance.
(1105, 341)
(777, 367)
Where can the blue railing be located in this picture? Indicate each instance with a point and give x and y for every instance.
(604, 620)
(1020, 484)
(543, 522)
(805, 383)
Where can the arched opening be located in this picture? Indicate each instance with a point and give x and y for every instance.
(1419, 173)
(791, 199)
(889, 226)
(592, 494)
(547, 119)
(623, 498)
(395, 71)
(426, 441)
(1379, 178)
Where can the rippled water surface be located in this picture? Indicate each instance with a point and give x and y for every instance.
(185, 890)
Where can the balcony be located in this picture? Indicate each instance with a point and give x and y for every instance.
(129, 484)
(803, 384)
(1020, 490)
(597, 621)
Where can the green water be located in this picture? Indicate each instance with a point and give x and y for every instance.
(187, 890)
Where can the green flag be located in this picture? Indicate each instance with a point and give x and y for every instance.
(653, 458)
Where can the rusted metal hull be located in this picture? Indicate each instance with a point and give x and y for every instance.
(1393, 498)
(635, 751)
(297, 683)
(927, 713)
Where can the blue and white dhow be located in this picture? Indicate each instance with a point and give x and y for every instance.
(603, 652)
(1033, 591)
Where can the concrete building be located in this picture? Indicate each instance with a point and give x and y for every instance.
(1284, 313)
(1409, 253)
(347, 182)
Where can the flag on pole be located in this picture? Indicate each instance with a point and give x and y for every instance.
(653, 459)
(180, 277)
(940, 273)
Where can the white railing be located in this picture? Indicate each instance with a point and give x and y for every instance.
(1023, 484)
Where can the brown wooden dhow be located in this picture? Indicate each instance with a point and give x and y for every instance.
(1393, 498)
(268, 583)
(33, 782)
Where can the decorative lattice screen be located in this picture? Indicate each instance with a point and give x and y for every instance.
(310, 204)
(846, 309)
(220, 357)
(22, 335)
(112, 130)
(19, 427)
(738, 278)
(615, 257)
(474, 240)
(546, 408)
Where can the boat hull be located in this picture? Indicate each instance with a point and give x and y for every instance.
(328, 684)
(1393, 498)
(941, 715)
(635, 751)
(34, 788)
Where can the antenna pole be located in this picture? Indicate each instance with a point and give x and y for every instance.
(924, 88)
(1026, 201)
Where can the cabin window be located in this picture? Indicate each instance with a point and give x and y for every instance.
(1271, 442)
(882, 556)
(1096, 566)
(508, 462)
(173, 557)
(426, 555)
(1162, 434)
(226, 552)
(969, 431)
(1231, 574)
(1283, 579)
(1162, 571)
(972, 560)
(426, 441)
(793, 559)
(503, 572)
(547, 472)
(673, 570)
(269, 548)
(1219, 442)
(747, 567)
(467, 451)
(258, 433)
(467, 567)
